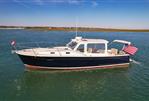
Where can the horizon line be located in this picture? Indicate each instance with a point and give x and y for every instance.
(73, 27)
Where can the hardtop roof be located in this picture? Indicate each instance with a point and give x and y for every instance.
(85, 40)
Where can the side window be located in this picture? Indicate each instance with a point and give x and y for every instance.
(81, 48)
(95, 48)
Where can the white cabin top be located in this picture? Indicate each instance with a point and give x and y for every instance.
(84, 45)
(84, 40)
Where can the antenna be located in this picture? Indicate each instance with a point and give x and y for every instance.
(76, 27)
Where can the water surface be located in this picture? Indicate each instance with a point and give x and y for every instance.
(129, 84)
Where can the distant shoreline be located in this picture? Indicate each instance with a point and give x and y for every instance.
(80, 29)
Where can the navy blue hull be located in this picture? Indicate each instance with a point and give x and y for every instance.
(69, 62)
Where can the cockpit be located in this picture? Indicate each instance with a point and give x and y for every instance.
(88, 45)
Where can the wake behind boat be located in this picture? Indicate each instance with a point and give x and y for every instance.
(79, 54)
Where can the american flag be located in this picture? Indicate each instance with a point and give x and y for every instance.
(130, 49)
(13, 42)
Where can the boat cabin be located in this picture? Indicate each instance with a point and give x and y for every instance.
(89, 46)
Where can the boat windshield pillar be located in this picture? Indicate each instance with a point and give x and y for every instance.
(85, 50)
(106, 48)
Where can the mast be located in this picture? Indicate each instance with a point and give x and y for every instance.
(76, 28)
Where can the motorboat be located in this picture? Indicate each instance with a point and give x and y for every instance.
(79, 54)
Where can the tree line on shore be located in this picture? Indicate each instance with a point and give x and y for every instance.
(88, 29)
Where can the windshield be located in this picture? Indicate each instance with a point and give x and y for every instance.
(72, 45)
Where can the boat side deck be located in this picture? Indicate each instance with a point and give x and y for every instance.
(57, 52)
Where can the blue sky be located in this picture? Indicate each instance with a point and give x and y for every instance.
(87, 13)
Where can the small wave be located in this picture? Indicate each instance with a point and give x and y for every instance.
(136, 62)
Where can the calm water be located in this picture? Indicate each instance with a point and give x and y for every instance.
(130, 84)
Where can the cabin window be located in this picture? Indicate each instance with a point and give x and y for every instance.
(81, 48)
(96, 48)
(72, 45)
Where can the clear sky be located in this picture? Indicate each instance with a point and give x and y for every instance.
(87, 13)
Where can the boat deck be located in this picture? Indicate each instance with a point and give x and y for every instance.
(56, 52)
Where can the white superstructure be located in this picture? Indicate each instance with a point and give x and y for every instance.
(78, 47)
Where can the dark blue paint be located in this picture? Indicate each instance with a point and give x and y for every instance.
(72, 61)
